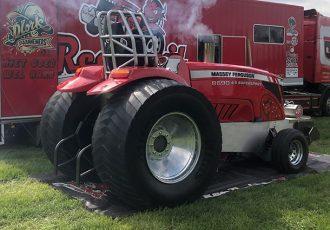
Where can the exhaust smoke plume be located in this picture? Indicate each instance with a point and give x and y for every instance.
(187, 17)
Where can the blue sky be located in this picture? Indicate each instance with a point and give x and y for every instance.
(323, 6)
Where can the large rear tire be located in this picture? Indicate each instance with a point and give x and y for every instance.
(60, 119)
(156, 143)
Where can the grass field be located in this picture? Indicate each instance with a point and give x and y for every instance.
(25, 203)
(322, 145)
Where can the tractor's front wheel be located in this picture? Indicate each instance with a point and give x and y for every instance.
(156, 143)
(290, 151)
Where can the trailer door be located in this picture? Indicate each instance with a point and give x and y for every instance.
(310, 50)
(28, 57)
(234, 50)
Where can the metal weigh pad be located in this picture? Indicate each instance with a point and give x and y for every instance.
(235, 173)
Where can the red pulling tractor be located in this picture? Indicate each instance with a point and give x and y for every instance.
(153, 127)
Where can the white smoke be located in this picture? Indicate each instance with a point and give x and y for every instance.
(187, 17)
(184, 17)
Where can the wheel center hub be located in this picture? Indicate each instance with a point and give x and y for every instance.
(160, 144)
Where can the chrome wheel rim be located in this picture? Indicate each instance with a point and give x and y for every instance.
(296, 152)
(173, 148)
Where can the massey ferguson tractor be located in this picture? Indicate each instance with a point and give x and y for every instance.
(153, 128)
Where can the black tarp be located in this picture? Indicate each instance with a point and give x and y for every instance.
(233, 174)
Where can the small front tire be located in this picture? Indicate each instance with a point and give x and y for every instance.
(290, 151)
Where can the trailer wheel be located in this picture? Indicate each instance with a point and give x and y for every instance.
(326, 104)
(156, 143)
(61, 116)
(290, 151)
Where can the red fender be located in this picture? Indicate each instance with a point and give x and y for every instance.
(121, 77)
(84, 79)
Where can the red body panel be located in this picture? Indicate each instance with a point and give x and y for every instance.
(239, 94)
(135, 74)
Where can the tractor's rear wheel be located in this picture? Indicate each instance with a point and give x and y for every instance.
(60, 119)
(290, 151)
(156, 143)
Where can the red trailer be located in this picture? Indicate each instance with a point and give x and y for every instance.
(315, 93)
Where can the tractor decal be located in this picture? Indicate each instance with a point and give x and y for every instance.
(202, 74)
(28, 29)
(292, 59)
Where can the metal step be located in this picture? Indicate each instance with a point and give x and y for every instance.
(76, 158)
